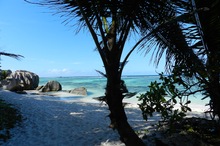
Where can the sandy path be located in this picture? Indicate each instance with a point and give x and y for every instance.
(57, 123)
(49, 121)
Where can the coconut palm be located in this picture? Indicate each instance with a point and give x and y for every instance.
(190, 39)
(178, 28)
(110, 24)
(210, 27)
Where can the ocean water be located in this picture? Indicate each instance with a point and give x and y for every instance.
(95, 86)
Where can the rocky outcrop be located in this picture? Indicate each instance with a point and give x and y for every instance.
(79, 91)
(12, 85)
(20, 80)
(51, 86)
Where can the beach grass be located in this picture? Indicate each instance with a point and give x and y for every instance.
(9, 118)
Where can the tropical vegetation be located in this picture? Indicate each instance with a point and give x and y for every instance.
(190, 39)
(192, 42)
(9, 118)
(187, 31)
(110, 24)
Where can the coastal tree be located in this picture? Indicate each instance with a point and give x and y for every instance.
(210, 50)
(190, 40)
(110, 24)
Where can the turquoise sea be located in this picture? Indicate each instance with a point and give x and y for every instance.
(95, 86)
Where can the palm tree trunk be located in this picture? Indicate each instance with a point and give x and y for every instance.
(214, 84)
(209, 23)
(215, 97)
(117, 113)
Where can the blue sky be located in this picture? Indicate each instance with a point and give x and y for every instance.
(51, 48)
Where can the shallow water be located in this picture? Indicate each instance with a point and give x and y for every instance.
(95, 86)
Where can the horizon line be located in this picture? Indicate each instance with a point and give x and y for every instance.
(91, 76)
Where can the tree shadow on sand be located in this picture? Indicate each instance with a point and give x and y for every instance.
(57, 122)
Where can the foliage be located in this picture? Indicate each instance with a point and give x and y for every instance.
(167, 98)
(3, 74)
(189, 38)
(192, 131)
(110, 24)
(9, 117)
(15, 56)
(174, 27)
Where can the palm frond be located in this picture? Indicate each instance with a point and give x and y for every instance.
(101, 73)
(175, 34)
(15, 56)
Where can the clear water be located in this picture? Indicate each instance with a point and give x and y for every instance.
(96, 86)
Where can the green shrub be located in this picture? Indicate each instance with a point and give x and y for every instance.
(3, 74)
(162, 98)
(9, 118)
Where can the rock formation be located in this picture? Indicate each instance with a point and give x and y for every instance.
(51, 86)
(79, 91)
(21, 80)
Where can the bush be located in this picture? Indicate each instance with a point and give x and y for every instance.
(9, 118)
(162, 97)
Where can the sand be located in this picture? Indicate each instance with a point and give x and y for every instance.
(50, 121)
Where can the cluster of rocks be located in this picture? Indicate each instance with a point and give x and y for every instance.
(20, 80)
(25, 80)
(56, 86)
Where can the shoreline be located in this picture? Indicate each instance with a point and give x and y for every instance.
(63, 95)
(49, 122)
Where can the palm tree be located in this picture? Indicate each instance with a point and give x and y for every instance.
(210, 35)
(190, 38)
(110, 24)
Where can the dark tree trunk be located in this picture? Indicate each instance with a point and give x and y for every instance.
(214, 95)
(209, 22)
(117, 113)
(214, 92)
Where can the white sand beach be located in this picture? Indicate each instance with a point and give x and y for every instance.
(49, 122)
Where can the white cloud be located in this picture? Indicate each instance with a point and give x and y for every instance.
(61, 72)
